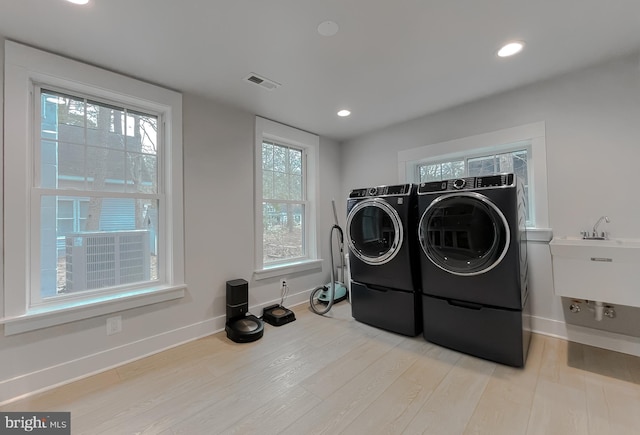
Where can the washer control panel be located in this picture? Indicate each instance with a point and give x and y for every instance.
(468, 183)
(395, 190)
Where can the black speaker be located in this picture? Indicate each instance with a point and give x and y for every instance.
(241, 327)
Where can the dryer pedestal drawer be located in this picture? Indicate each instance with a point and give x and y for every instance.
(394, 310)
(495, 334)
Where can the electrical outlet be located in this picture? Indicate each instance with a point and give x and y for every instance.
(283, 282)
(114, 325)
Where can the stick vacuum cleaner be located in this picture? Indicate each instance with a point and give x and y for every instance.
(334, 291)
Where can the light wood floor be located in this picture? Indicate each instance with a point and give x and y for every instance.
(335, 375)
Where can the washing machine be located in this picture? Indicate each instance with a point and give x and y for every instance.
(473, 262)
(382, 239)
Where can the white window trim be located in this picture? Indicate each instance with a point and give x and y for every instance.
(25, 66)
(310, 143)
(494, 142)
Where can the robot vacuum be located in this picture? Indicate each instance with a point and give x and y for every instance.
(241, 327)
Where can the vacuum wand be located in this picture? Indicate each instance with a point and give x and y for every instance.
(340, 243)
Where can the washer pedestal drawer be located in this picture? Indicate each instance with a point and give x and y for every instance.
(394, 310)
(499, 335)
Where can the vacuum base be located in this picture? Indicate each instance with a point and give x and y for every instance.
(277, 315)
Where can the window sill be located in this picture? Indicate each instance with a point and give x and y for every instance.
(285, 269)
(46, 316)
(539, 235)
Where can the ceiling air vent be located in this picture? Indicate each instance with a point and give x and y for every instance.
(262, 81)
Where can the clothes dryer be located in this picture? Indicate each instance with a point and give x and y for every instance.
(473, 263)
(382, 240)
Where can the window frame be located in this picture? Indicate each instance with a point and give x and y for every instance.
(25, 69)
(530, 136)
(280, 134)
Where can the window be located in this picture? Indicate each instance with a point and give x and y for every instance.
(487, 164)
(101, 202)
(520, 150)
(285, 198)
(88, 150)
(282, 204)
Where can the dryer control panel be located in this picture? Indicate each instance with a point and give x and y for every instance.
(396, 190)
(468, 183)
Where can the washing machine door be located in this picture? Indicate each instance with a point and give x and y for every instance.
(464, 233)
(374, 231)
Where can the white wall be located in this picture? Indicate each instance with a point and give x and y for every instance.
(219, 205)
(592, 120)
(218, 167)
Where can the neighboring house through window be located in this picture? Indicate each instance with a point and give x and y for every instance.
(286, 192)
(101, 205)
(71, 218)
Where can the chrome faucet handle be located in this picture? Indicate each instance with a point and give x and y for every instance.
(594, 235)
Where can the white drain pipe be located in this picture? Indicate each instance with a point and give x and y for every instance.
(599, 310)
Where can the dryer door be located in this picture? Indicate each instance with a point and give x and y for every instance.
(374, 231)
(464, 233)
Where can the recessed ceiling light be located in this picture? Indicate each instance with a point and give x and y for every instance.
(328, 28)
(344, 112)
(79, 2)
(510, 49)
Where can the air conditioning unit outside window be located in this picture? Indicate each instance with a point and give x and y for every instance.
(106, 259)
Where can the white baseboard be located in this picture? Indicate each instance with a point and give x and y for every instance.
(51, 377)
(54, 376)
(69, 371)
(589, 336)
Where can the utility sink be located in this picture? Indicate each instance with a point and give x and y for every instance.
(598, 270)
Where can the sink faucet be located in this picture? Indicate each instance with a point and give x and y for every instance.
(595, 227)
(594, 234)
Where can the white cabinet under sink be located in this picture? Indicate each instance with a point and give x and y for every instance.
(597, 270)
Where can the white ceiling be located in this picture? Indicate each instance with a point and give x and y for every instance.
(392, 60)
